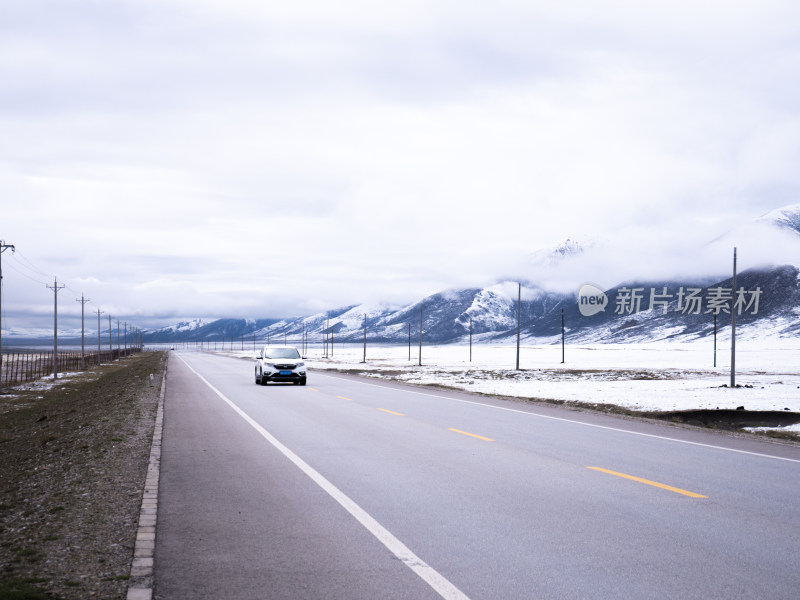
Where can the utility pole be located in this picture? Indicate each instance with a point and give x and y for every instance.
(119, 348)
(365, 339)
(110, 350)
(562, 336)
(470, 339)
(715, 340)
(3, 248)
(99, 312)
(83, 301)
(519, 314)
(56, 288)
(733, 324)
(420, 334)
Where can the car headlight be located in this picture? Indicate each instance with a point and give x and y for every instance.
(301, 365)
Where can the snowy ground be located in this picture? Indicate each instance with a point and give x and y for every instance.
(645, 377)
(43, 383)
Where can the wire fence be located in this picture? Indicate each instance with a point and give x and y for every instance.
(251, 343)
(21, 367)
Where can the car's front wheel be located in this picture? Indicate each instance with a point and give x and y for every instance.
(258, 379)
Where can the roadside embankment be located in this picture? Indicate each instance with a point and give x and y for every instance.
(75, 455)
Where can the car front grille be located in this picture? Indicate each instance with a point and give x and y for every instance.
(285, 366)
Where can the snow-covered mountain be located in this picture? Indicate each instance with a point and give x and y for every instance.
(182, 327)
(768, 306)
(786, 218)
(772, 238)
(445, 318)
(770, 303)
(552, 257)
(681, 310)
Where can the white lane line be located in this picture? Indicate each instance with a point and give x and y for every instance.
(427, 573)
(534, 414)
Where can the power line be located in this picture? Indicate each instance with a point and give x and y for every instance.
(13, 268)
(99, 312)
(34, 279)
(34, 269)
(110, 350)
(76, 293)
(3, 248)
(56, 288)
(83, 302)
(25, 267)
(30, 266)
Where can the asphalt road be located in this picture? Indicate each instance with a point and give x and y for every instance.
(351, 488)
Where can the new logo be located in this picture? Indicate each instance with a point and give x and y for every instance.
(591, 300)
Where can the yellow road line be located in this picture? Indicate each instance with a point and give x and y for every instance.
(391, 412)
(313, 389)
(480, 437)
(343, 398)
(648, 482)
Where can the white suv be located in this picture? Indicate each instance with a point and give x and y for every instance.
(280, 363)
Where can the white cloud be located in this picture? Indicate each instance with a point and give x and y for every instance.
(268, 159)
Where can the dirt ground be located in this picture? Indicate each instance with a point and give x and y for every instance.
(72, 473)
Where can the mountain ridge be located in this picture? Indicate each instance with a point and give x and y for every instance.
(770, 301)
(489, 313)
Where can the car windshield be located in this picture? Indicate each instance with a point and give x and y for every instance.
(281, 353)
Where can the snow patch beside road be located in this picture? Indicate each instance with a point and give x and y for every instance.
(642, 377)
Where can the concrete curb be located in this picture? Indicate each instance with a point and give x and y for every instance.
(140, 584)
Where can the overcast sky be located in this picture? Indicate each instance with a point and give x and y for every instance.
(203, 158)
